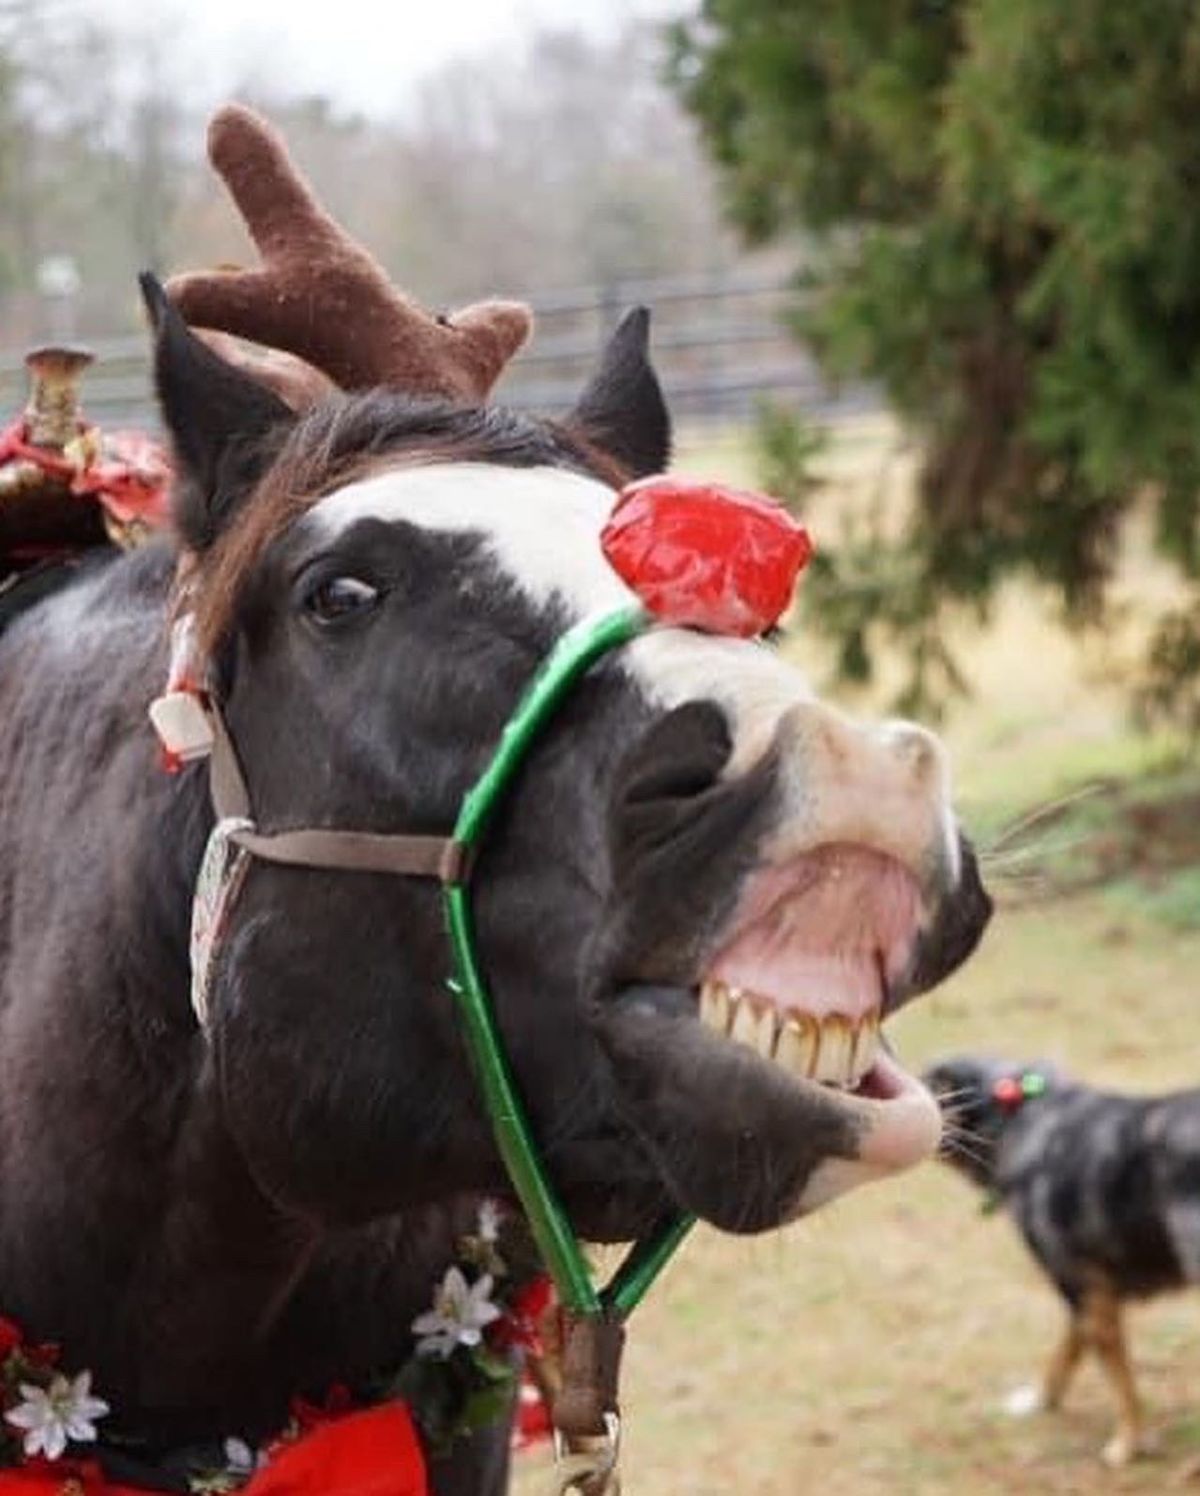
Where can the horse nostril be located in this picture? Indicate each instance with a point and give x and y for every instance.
(680, 758)
(670, 781)
(919, 750)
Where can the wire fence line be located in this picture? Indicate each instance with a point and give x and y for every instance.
(721, 345)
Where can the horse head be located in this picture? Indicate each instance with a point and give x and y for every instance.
(704, 895)
(700, 895)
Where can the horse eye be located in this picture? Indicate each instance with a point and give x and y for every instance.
(340, 598)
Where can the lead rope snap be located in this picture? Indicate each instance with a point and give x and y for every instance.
(587, 1423)
(588, 1465)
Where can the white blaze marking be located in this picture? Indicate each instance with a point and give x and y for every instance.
(542, 526)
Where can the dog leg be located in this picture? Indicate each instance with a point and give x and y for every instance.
(1104, 1330)
(1063, 1363)
(1047, 1395)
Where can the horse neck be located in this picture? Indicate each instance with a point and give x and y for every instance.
(131, 1229)
(118, 1188)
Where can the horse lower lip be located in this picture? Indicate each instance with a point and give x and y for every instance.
(903, 1122)
(900, 1120)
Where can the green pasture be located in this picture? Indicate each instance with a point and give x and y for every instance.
(867, 1351)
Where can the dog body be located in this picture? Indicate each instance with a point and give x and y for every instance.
(1105, 1190)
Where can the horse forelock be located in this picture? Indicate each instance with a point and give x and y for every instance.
(347, 441)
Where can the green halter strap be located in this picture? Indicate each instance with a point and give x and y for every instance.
(593, 1318)
(586, 1415)
(573, 656)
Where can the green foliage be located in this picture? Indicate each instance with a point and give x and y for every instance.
(1008, 194)
(456, 1397)
(1170, 688)
(862, 587)
(787, 445)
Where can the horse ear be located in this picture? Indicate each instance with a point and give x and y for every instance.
(218, 419)
(622, 410)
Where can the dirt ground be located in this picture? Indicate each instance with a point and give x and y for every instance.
(868, 1351)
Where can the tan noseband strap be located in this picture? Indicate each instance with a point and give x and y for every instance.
(438, 857)
(359, 852)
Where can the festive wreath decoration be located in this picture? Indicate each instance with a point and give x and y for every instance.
(486, 1316)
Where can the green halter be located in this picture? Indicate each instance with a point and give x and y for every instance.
(572, 657)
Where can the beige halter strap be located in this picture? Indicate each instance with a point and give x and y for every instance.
(411, 856)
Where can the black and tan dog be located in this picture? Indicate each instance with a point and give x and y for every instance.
(1105, 1190)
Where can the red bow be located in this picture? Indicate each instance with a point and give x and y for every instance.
(705, 556)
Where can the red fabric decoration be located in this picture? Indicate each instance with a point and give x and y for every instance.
(371, 1453)
(705, 556)
(1009, 1093)
(130, 475)
(533, 1424)
(60, 1478)
(10, 1338)
(336, 1404)
(132, 479)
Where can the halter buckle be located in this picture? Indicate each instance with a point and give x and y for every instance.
(588, 1465)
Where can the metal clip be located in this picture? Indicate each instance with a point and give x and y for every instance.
(218, 884)
(591, 1471)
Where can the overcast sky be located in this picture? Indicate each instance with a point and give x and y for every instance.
(362, 53)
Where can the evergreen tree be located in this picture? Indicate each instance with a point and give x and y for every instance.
(1007, 199)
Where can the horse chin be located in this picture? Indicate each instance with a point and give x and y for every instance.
(739, 1138)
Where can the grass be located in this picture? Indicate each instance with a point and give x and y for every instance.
(867, 1351)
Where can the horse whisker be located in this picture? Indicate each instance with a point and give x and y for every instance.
(1042, 812)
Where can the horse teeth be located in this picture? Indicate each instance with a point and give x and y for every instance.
(744, 1029)
(753, 1024)
(835, 1050)
(766, 1027)
(866, 1047)
(836, 1056)
(799, 1044)
(714, 1006)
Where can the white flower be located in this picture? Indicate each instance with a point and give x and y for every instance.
(52, 1416)
(489, 1222)
(240, 1459)
(458, 1316)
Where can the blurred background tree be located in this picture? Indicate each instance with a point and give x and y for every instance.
(564, 162)
(1006, 199)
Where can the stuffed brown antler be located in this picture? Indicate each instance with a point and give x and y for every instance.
(322, 297)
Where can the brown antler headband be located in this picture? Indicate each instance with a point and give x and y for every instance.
(322, 297)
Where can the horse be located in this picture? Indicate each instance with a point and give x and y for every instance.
(705, 891)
